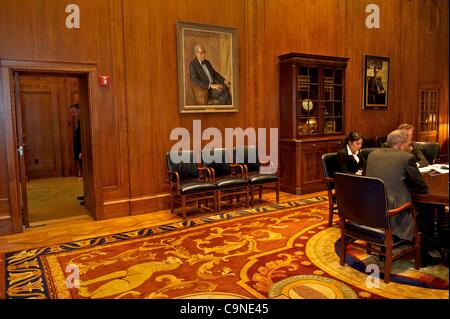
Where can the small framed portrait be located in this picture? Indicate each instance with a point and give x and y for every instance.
(376, 82)
(330, 126)
(208, 76)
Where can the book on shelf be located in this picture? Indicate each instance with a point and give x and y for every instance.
(303, 82)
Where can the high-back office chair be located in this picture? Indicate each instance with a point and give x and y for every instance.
(380, 140)
(248, 157)
(189, 181)
(429, 149)
(367, 143)
(366, 151)
(364, 215)
(329, 167)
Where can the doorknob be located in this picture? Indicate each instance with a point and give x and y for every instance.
(20, 150)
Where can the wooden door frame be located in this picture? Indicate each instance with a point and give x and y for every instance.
(7, 103)
(420, 88)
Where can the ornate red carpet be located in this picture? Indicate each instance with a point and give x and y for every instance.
(279, 251)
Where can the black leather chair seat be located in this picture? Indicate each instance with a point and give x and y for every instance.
(369, 234)
(194, 187)
(263, 178)
(231, 182)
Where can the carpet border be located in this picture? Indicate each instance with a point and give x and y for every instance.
(30, 259)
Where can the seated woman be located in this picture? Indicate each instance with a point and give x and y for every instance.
(349, 158)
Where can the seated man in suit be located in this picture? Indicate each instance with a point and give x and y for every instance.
(396, 166)
(420, 157)
(204, 76)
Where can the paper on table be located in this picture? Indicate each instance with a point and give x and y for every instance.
(436, 168)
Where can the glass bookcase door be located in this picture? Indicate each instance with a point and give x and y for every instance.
(333, 93)
(308, 101)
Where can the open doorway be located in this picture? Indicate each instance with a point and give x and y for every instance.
(50, 110)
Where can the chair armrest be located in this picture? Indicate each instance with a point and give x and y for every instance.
(211, 174)
(205, 173)
(177, 180)
(407, 206)
(398, 210)
(244, 170)
(235, 168)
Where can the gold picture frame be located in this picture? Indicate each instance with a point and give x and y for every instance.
(376, 82)
(208, 78)
(330, 126)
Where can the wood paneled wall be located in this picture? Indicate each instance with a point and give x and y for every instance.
(135, 43)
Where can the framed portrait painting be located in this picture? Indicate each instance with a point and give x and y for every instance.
(207, 59)
(376, 82)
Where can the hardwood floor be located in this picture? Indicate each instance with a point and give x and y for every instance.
(76, 228)
(54, 198)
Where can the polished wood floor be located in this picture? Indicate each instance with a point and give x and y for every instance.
(82, 227)
(54, 198)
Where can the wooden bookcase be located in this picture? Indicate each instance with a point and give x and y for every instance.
(312, 109)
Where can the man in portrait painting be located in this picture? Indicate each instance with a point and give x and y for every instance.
(377, 92)
(209, 86)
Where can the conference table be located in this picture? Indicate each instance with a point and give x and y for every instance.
(437, 196)
(437, 192)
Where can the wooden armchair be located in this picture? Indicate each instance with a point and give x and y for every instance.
(189, 181)
(200, 95)
(380, 140)
(247, 156)
(329, 167)
(362, 205)
(228, 177)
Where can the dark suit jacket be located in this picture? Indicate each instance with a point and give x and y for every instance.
(77, 142)
(347, 164)
(199, 77)
(375, 87)
(420, 157)
(418, 153)
(400, 174)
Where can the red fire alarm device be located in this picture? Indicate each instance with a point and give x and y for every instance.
(104, 81)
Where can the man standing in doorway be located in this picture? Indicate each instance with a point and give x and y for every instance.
(75, 109)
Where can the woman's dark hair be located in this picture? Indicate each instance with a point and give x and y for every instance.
(352, 137)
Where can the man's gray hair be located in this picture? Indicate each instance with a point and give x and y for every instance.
(396, 137)
(405, 126)
(198, 47)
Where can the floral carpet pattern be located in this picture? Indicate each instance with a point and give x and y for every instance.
(279, 251)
